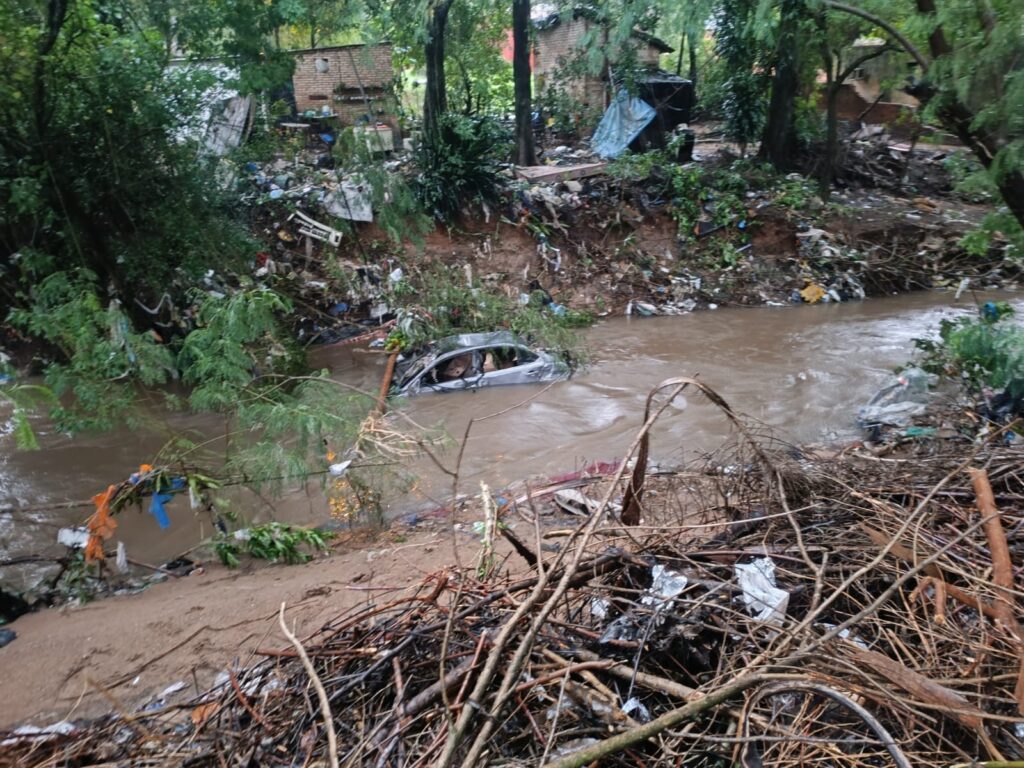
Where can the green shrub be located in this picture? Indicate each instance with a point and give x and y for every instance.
(446, 306)
(276, 542)
(984, 351)
(458, 166)
(998, 228)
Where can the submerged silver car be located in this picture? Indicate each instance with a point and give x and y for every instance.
(473, 360)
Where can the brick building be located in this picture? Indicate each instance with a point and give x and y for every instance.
(559, 39)
(353, 81)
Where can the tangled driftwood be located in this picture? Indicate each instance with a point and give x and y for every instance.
(899, 643)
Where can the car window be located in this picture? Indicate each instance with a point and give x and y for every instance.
(504, 357)
(524, 355)
(453, 368)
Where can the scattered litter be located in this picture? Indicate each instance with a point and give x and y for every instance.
(39, 733)
(762, 598)
(896, 404)
(351, 200)
(665, 586)
(313, 228)
(576, 503)
(74, 538)
(635, 705)
(813, 293)
(569, 747)
(171, 689)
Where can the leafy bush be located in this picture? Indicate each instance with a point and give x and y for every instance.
(276, 542)
(447, 306)
(998, 228)
(104, 359)
(984, 351)
(458, 166)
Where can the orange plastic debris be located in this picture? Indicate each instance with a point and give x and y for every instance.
(203, 712)
(100, 524)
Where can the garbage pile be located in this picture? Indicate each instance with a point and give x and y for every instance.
(851, 613)
(312, 185)
(874, 158)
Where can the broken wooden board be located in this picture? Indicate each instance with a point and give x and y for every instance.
(551, 173)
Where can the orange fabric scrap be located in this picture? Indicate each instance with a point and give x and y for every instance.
(101, 525)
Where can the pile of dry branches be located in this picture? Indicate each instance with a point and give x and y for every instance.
(897, 641)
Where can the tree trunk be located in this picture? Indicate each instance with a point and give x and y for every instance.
(959, 117)
(435, 99)
(777, 140)
(828, 161)
(525, 153)
(691, 49)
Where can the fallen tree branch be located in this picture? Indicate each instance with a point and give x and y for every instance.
(619, 742)
(876, 727)
(325, 704)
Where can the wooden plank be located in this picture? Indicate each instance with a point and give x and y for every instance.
(549, 173)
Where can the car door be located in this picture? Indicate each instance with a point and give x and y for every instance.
(522, 366)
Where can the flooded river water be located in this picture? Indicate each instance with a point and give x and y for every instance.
(802, 370)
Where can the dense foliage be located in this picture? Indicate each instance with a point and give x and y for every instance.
(460, 165)
(984, 351)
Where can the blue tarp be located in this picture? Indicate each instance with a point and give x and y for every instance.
(623, 121)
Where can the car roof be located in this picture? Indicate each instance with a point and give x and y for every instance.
(475, 340)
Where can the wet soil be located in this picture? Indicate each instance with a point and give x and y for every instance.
(120, 653)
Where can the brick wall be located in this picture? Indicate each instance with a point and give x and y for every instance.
(558, 45)
(338, 77)
(851, 104)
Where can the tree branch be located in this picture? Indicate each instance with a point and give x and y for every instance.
(861, 60)
(878, 21)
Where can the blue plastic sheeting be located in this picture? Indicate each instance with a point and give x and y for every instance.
(623, 121)
(160, 497)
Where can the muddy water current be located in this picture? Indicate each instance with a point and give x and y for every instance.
(801, 370)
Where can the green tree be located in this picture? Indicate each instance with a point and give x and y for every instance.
(971, 79)
(738, 46)
(521, 28)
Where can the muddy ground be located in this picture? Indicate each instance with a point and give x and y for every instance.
(608, 245)
(121, 653)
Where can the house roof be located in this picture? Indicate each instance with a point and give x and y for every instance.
(598, 17)
(330, 48)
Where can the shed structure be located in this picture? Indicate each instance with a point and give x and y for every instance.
(355, 82)
(560, 37)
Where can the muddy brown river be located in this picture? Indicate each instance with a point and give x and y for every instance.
(801, 370)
